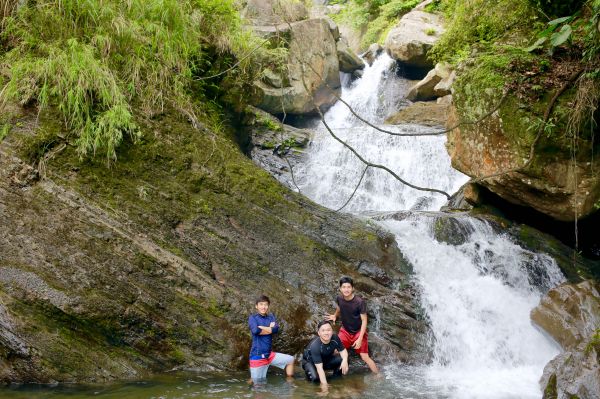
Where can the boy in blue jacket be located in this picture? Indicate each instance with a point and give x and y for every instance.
(262, 326)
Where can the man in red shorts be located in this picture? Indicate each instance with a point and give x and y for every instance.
(353, 332)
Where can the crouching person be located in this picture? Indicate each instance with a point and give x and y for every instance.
(325, 352)
(262, 326)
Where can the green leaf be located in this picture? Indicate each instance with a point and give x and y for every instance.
(559, 20)
(561, 36)
(536, 45)
(546, 32)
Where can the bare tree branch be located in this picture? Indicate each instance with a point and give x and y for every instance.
(355, 190)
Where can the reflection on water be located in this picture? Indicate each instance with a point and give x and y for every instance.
(234, 385)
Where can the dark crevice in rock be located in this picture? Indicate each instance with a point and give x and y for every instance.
(589, 245)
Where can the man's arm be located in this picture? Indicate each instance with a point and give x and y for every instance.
(363, 330)
(321, 373)
(265, 330)
(344, 366)
(254, 327)
(334, 316)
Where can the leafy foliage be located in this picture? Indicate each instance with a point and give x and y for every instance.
(98, 61)
(376, 16)
(481, 23)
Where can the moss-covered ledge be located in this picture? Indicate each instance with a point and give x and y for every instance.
(157, 258)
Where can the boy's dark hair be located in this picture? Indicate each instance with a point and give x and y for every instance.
(346, 279)
(263, 298)
(322, 323)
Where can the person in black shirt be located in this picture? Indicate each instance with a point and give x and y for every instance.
(321, 355)
(353, 311)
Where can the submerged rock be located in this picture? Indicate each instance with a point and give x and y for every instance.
(372, 53)
(571, 315)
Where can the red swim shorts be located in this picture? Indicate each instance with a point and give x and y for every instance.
(348, 339)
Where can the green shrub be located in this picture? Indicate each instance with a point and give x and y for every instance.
(100, 62)
(483, 22)
(376, 16)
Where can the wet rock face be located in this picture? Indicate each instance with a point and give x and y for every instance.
(154, 263)
(571, 315)
(274, 146)
(415, 34)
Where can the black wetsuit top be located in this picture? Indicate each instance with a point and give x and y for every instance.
(318, 352)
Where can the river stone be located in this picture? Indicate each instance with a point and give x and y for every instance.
(421, 113)
(435, 84)
(349, 61)
(410, 41)
(571, 315)
(372, 53)
(312, 64)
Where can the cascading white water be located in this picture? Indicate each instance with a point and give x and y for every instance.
(331, 173)
(477, 295)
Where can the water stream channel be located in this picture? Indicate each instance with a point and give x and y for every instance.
(477, 294)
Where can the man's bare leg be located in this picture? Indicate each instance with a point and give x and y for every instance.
(289, 370)
(372, 366)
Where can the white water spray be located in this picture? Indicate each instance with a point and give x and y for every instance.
(477, 295)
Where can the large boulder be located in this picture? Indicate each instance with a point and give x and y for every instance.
(571, 315)
(553, 184)
(410, 41)
(312, 71)
(551, 167)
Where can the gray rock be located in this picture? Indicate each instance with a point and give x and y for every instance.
(333, 28)
(571, 315)
(276, 147)
(410, 41)
(269, 12)
(436, 84)
(349, 61)
(312, 64)
(372, 53)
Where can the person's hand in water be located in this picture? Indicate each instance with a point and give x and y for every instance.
(344, 366)
(324, 390)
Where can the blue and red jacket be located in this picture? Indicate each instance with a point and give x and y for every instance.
(260, 352)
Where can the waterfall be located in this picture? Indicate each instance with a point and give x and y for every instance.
(331, 173)
(478, 294)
